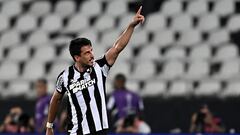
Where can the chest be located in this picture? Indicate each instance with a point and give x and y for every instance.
(81, 84)
(41, 104)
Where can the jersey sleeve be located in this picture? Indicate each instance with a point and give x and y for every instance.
(60, 84)
(102, 62)
(111, 103)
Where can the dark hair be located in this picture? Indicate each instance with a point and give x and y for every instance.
(76, 45)
(120, 77)
(42, 80)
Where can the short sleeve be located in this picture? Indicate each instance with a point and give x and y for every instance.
(60, 84)
(111, 103)
(102, 62)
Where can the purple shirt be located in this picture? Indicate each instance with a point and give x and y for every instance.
(122, 102)
(41, 111)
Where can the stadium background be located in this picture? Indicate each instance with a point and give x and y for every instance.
(185, 54)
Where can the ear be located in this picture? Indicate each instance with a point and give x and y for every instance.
(76, 57)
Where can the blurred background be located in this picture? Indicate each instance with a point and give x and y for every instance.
(186, 54)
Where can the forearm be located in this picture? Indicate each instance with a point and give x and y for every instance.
(53, 108)
(126, 35)
(122, 41)
(124, 38)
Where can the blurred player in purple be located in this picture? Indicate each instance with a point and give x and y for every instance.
(123, 102)
(41, 109)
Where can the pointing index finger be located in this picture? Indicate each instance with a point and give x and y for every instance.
(139, 10)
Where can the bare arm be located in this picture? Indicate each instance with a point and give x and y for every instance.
(53, 108)
(193, 125)
(124, 38)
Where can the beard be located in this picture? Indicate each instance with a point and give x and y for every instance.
(87, 64)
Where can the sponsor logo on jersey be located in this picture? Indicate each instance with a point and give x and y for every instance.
(75, 86)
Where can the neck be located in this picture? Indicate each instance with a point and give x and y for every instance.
(80, 67)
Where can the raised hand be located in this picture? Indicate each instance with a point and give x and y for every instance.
(138, 18)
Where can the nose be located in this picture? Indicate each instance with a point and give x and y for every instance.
(92, 54)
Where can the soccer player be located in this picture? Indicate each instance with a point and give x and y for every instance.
(84, 83)
(122, 101)
(42, 104)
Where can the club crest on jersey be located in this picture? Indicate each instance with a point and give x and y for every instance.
(75, 86)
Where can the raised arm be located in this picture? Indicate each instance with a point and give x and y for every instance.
(124, 38)
(53, 108)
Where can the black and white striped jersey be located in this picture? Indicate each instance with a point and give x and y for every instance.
(87, 97)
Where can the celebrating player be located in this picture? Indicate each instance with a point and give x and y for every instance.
(84, 83)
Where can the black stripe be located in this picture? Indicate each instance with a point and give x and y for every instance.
(74, 100)
(104, 83)
(69, 116)
(97, 96)
(70, 124)
(104, 86)
(90, 120)
(102, 61)
(59, 84)
(104, 90)
(60, 74)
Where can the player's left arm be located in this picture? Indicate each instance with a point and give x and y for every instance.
(122, 41)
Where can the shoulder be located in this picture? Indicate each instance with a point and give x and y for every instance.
(132, 93)
(116, 94)
(135, 95)
(101, 61)
(46, 99)
(64, 72)
(62, 78)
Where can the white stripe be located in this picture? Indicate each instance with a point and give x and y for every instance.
(72, 133)
(76, 74)
(74, 115)
(101, 91)
(111, 103)
(105, 69)
(73, 109)
(65, 77)
(82, 105)
(93, 105)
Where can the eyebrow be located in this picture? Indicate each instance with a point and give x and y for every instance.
(88, 51)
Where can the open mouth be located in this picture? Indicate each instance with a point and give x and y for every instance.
(91, 60)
